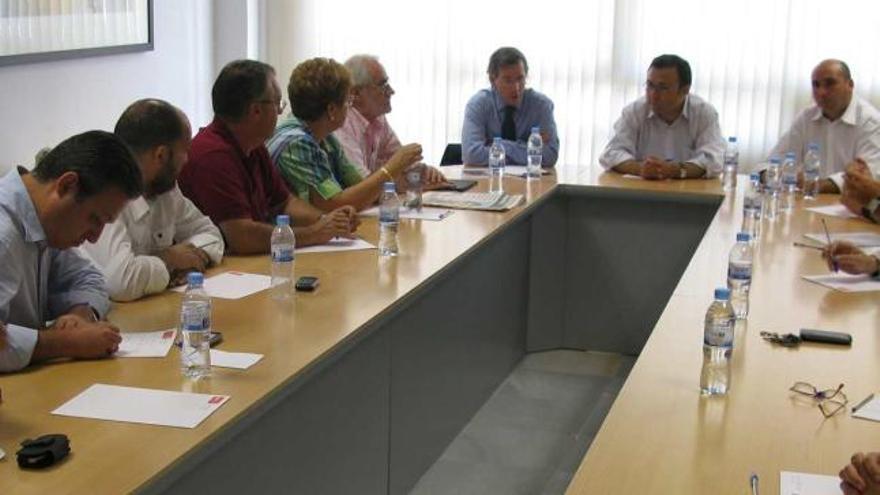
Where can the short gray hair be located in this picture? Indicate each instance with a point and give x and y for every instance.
(359, 66)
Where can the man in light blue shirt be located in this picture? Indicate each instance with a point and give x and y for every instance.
(508, 110)
(73, 191)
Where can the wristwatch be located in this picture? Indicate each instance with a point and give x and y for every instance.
(869, 210)
(682, 171)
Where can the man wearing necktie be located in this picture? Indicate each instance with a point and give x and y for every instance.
(508, 110)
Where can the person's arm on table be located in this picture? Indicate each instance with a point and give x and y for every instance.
(474, 150)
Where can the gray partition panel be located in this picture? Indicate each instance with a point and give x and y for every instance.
(625, 253)
(546, 318)
(453, 347)
(326, 436)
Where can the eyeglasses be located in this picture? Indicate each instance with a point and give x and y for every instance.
(279, 105)
(830, 401)
(659, 88)
(384, 86)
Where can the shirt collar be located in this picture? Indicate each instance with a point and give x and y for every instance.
(848, 117)
(499, 102)
(139, 207)
(685, 110)
(358, 118)
(226, 134)
(14, 195)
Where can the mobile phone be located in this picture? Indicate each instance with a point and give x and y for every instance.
(825, 336)
(214, 339)
(306, 284)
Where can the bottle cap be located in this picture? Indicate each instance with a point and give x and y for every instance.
(813, 146)
(790, 155)
(722, 293)
(496, 139)
(743, 237)
(195, 279)
(731, 139)
(755, 176)
(388, 186)
(282, 220)
(536, 129)
(774, 159)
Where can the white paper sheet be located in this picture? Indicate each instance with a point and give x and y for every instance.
(845, 282)
(233, 285)
(837, 210)
(860, 239)
(237, 360)
(427, 213)
(142, 405)
(520, 170)
(871, 410)
(146, 344)
(791, 483)
(337, 244)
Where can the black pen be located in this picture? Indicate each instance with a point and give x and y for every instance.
(862, 403)
(753, 482)
(828, 236)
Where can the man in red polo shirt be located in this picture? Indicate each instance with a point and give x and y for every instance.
(230, 177)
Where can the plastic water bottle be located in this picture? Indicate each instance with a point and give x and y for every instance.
(283, 256)
(195, 328)
(731, 164)
(414, 187)
(535, 148)
(789, 182)
(812, 168)
(389, 219)
(772, 186)
(717, 345)
(753, 205)
(496, 166)
(739, 275)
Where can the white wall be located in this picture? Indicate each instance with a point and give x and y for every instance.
(43, 103)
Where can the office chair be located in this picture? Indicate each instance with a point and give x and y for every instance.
(451, 155)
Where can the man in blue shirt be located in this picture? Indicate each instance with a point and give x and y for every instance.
(508, 110)
(73, 191)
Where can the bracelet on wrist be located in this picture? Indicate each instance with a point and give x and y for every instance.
(387, 173)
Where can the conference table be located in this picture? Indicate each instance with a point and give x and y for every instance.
(366, 381)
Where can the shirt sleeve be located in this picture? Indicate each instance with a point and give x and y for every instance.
(306, 167)
(191, 226)
(473, 133)
(129, 276)
(867, 148)
(548, 124)
(622, 146)
(73, 280)
(20, 345)
(709, 144)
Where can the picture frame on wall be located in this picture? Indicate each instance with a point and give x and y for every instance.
(44, 30)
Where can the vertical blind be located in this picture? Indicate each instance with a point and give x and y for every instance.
(751, 58)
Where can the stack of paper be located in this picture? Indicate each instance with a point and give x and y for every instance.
(495, 201)
(791, 483)
(845, 282)
(837, 210)
(426, 213)
(860, 239)
(233, 285)
(337, 244)
(869, 410)
(146, 344)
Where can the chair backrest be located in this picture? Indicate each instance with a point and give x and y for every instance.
(451, 155)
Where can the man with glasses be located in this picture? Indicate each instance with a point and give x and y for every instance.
(668, 133)
(508, 110)
(844, 127)
(230, 176)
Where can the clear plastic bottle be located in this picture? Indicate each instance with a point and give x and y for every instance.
(812, 169)
(739, 275)
(389, 219)
(414, 187)
(717, 345)
(731, 164)
(789, 182)
(772, 186)
(753, 206)
(195, 328)
(535, 149)
(283, 246)
(497, 158)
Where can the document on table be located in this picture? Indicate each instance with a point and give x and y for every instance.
(845, 282)
(337, 244)
(837, 210)
(860, 239)
(520, 170)
(473, 200)
(791, 483)
(233, 285)
(426, 213)
(237, 360)
(870, 410)
(142, 405)
(146, 344)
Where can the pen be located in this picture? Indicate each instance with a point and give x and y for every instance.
(828, 236)
(862, 403)
(810, 246)
(753, 482)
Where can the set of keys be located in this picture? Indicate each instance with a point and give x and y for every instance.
(785, 340)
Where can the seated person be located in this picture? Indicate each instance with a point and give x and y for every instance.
(160, 236)
(847, 258)
(310, 158)
(844, 127)
(862, 475)
(861, 192)
(73, 191)
(508, 110)
(230, 177)
(366, 137)
(668, 133)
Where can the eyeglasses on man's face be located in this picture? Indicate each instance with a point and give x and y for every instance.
(279, 105)
(830, 401)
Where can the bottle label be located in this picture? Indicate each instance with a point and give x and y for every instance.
(282, 254)
(195, 321)
(739, 272)
(719, 335)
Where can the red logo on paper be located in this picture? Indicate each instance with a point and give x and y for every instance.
(216, 399)
(168, 334)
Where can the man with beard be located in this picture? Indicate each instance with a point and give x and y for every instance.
(160, 236)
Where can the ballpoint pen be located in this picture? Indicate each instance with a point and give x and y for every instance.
(828, 237)
(753, 482)
(810, 246)
(862, 403)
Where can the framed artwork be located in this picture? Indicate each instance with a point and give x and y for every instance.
(42, 30)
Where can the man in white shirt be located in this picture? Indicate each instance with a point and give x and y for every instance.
(668, 133)
(160, 236)
(844, 127)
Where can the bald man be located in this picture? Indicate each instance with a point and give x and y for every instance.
(845, 126)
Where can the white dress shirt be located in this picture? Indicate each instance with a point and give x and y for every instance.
(856, 134)
(694, 137)
(127, 250)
